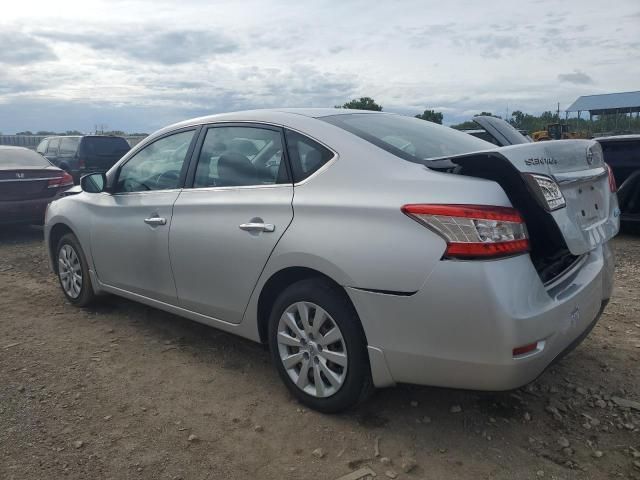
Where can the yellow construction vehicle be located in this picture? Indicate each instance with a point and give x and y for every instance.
(556, 131)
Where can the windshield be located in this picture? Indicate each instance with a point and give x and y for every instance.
(104, 146)
(17, 157)
(409, 138)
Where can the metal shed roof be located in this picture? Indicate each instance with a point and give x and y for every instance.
(607, 103)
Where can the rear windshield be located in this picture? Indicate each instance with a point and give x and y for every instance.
(104, 146)
(12, 158)
(409, 138)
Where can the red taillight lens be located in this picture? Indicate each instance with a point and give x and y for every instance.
(66, 180)
(474, 231)
(612, 180)
(82, 163)
(525, 349)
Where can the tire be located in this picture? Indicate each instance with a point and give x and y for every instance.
(350, 383)
(70, 258)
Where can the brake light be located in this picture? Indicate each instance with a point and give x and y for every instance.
(547, 191)
(82, 163)
(474, 231)
(612, 180)
(65, 180)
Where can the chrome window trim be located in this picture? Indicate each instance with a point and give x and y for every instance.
(146, 192)
(238, 187)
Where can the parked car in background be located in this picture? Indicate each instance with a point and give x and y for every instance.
(28, 182)
(365, 248)
(622, 154)
(80, 155)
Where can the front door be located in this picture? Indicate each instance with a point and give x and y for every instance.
(130, 226)
(225, 227)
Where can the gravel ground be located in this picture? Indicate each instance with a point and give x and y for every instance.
(126, 391)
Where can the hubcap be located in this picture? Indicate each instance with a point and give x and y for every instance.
(312, 349)
(70, 271)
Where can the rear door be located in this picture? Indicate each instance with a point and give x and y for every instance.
(225, 227)
(130, 227)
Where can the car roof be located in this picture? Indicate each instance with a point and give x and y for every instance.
(266, 115)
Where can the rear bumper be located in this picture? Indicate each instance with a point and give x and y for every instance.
(24, 211)
(460, 329)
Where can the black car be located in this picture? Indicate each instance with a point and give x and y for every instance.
(28, 183)
(622, 154)
(80, 155)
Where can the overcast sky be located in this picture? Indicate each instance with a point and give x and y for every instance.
(138, 65)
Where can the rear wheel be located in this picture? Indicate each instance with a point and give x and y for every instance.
(73, 271)
(318, 346)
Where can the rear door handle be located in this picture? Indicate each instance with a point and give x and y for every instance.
(257, 227)
(155, 221)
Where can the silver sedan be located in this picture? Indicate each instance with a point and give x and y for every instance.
(366, 249)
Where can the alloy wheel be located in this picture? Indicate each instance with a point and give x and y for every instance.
(312, 349)
(70, 271)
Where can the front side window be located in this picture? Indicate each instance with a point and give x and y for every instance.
(306, 155)
(409, 138)
(42, 146)
(240, 156)
(157, 166)
(69, 144)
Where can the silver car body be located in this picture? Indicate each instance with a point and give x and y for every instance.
(426, 320)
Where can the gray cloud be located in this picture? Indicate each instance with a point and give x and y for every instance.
(577, 77)
(18, 48)
(151, 44)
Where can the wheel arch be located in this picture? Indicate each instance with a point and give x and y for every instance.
(58, 231)
(282, 279)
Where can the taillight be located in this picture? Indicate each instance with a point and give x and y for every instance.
(547, 191)
(82, 163)
(474, 231)
(65, 180)
(612, 180)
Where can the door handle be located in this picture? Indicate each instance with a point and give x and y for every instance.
(155, 221)
(257, 227)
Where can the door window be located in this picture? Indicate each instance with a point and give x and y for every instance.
(53, 145)
(157, 166)
(240, 156)
(69, 144)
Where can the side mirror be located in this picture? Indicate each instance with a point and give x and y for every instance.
(93, 183)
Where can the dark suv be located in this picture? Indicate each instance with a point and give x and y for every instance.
(80, 155)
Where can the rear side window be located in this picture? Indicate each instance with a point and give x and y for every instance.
(306, 155)
(104, 146)
(69, 144)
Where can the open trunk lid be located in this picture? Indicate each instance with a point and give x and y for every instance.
(590, 215)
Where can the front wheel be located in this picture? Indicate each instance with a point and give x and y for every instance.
(318, 346)
(73, 271)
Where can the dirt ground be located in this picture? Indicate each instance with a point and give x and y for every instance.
(126, 391)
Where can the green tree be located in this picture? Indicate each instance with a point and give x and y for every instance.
(431, 116)
(362, 103)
